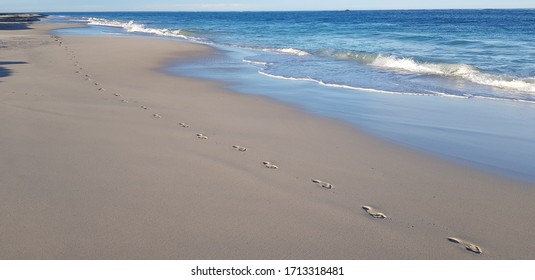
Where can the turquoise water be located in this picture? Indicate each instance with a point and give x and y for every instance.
(459, 84)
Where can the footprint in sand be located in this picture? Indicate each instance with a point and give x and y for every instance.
(323, 184)
(373, 212)
(201, 136)
(101, 89)
(467, 245)
(124, 101)
(116, 94)
(183, 125)
(239, 148)
(97, 84)
(270, 165)
(145, 108)
(158, 116)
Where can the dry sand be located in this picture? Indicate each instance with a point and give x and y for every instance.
(131, 163)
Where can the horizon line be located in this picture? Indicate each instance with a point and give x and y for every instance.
(247, 11)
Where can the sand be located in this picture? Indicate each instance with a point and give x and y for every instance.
(104, 156)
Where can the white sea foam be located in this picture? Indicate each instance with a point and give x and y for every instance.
(437, 93)
(131, 26)
(431, 93)
(404, 64)
(504, 82)
(461, 71)
(286, 78)
(255, 62)
(410, 65)
(341, 86)
(291, 51)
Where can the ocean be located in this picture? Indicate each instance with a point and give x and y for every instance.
(458, 84)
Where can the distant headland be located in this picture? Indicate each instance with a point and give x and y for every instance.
(14, 18)
(18, 21)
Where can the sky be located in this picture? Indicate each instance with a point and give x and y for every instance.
(250, 5)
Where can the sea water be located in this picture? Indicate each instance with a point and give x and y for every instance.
(459, 84)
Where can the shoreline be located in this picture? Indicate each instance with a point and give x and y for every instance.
(406, 124)
(466, 131)
(113, 180)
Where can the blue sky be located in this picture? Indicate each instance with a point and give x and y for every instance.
(250, 5)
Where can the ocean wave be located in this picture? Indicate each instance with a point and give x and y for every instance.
(256, 62)
(462, 42)
(461, 71)
(291, 51)
(131, 26)
(307, 79)
(465, 72)
(429, 92)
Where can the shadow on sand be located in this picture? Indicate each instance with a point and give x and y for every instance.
(4, 72)
(14, 26)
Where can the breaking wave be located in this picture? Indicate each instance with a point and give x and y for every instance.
(342, 86)
(464, 72)
(461, 71)
(131, 26)
(290, 51)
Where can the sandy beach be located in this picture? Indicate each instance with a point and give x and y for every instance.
(104, 156)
